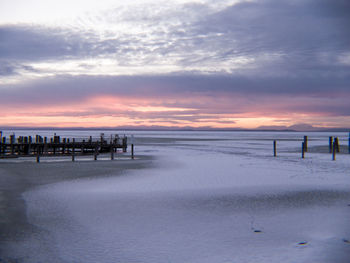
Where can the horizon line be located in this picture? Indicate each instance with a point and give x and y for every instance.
(164, 128)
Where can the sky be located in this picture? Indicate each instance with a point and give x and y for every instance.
(177, 64)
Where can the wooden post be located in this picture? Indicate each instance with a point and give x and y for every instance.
(37, 154)
(305, 143)
(73, 150)
(95, 154)
(82, 147)
(112, 151)
(334, 150)
(349, 144)
(45, 145)
(124, 144)
(64, 145)
(303, 150)
(29, 145)
(330, 144)
(4, 143)
(1, 142)
(336, 144)
(132, 151)
(12, 141)
(274, 148)
(102, 139)
(25, 145)
(42, 146)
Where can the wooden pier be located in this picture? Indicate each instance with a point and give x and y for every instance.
(28, 146)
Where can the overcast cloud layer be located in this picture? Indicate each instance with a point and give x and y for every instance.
(288, 61)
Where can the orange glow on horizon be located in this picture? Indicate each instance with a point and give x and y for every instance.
(109, 111)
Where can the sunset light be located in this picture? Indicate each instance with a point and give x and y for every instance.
(181, 131)
(185, 63)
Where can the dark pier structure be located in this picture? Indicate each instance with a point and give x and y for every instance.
(28, 146)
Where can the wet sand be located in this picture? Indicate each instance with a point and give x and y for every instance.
(19, 177)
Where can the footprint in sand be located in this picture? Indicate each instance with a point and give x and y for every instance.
(302, 243)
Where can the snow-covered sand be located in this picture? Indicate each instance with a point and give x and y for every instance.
(214, 197)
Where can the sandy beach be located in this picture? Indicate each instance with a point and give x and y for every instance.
(21, 176)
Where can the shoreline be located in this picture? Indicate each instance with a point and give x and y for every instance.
(19, 177)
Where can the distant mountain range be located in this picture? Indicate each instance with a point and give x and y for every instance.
(296, 128)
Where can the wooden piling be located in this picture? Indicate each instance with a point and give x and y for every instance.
(305, 143)
(45, 150)
(336, 144)
(4, 145)
(37, 155)
(82, 147)
(29, 144)
(112, 151)
(132, 151)
(64, 145)
(12, 142)
(334, 150)
(274, 148)
(303, 150)
(102, 138)
(95, 153)
(330, 144)
(124, 144)
(73, 150)
(349, 144)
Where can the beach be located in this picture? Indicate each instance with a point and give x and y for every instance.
(186, 197)
(19, 177)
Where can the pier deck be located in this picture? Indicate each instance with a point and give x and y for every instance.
(25, 146)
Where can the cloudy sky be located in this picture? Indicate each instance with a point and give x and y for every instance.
(181, 63)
